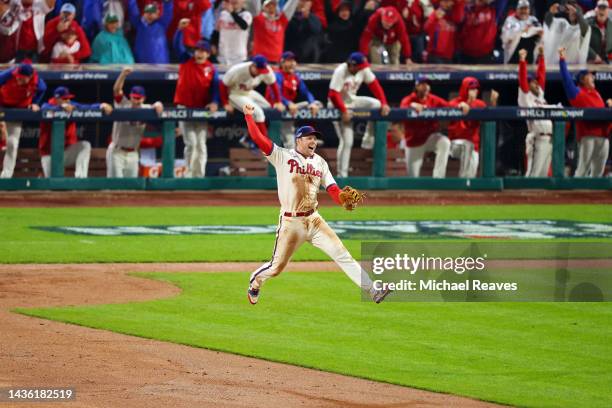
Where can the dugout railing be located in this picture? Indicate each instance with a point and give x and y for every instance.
(377, 180)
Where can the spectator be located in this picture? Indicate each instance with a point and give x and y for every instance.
(384, 37)
(78, 8)
(95, 13)
(413, 14)
(441, 27)
(151, 45)
(22, 88)
(480, 22)
(424, 135)
(197, 87)
(110, 46)
(565, 26)
(343, 31)
(304, 33)
(269, 28)
(592, 137)
(600, 50)
(65, 22)
(66, 50)
(319, 9)
(520, 31)
(76, 153)
(291, 85)
(232, 32)
(192, 10)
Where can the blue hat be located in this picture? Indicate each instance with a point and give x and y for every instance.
(358, 59)
(68, 8)
(138, 91)
(261, 63)
(578, 77)
(25, 70)
(307, 131)
(203, 45)
(62, 92)
(288, 55)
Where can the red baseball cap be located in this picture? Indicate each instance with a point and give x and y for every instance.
(389, 15)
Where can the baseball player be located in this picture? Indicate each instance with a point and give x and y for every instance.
(346, 81)
(238, 88)
(291, 85)
(592, 137)
(538, 143)
(20, 87)
(197, 87)
(424, 135)
(465, 134)
(299, 174)
(126, 136)
(76, 153)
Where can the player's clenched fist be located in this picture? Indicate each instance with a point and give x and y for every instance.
(106, 108)
(248, 109)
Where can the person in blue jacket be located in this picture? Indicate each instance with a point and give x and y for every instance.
(151, 45)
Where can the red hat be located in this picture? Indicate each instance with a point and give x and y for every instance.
(389, 15)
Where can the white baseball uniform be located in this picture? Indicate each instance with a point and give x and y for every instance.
(347, 85)
(233, 40)
(241, 84)
(13, 134)
(465, 151)
(77, 155)
(299, 179)
(538, 143)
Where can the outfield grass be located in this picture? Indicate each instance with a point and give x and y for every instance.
(22, 244)
(526, 354)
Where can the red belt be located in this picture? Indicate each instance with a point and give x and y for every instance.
(299, 214)
(127, 149)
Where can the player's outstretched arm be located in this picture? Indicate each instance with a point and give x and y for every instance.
(263, 142)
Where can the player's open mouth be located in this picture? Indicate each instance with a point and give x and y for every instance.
(311, 149)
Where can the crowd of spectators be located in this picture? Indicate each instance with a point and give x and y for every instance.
(317, 31)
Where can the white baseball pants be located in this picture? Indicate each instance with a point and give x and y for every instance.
(76, 155)
(124, 164)
(437, 143)
(109, 159)
(468, 157)
(538, 149)
(255, 99)
(196, 152)
(292, 232)
(592, 156)
(346, 135)
(13, 130)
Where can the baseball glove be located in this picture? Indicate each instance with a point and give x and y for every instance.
(349, 197)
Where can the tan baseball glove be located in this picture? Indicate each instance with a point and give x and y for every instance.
(350, 197)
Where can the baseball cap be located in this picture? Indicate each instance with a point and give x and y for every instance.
(307, 131)
(62, 92)
(261, 63)
(150, 8)
(25, 70)
(523, 3)
(389, 15)
(578, 77)
(137, 91)
(68, 8)
(266, 2)
(603, 3)
(202, 45)
(357, 58)
(288, 55)
(111, 18)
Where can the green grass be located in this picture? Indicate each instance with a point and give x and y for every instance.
(21, 244)
(526, 354)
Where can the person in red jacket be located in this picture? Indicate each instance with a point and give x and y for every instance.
(76, 153)
(191, 10)
(197, 88)
(441, 27)
(479, 23)
(269, 28)
(424, 135)
(413, 14)
(384, 37)
(60, 24)
(592, 137)
(465, 134)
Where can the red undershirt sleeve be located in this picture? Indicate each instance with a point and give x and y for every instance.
(334, 192)
(378, 91)
(336, 99)
(264, 143)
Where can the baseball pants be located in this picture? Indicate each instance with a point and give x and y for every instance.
(393, 51)
(195, 153)
(464, 151)
(76, 155)
(254, 98)
(592, 155)
(346, 134)
(292, 232)
(538, 149)
(109, 159)
(124, 163)
(437, 143)
(13, 130)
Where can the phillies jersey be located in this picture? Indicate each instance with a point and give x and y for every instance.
(197, 85)
(238, 79)
(128, 134)
(233, 40)
(299, 178)
(348, 84)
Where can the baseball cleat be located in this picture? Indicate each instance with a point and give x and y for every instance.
(253, 295)
(380, 295)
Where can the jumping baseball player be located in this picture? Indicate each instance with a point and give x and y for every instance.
(299, 174)
(238, 88)
(346, 81)
(538, 143)
(197, 87)
(424, 135)
(76, 153)
(465, 134)
(20, 87)
(292, 86)
(592, 137)
(126, 136)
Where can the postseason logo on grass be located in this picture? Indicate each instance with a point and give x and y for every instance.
(490, 271)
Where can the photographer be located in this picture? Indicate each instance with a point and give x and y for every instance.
(565, 26)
